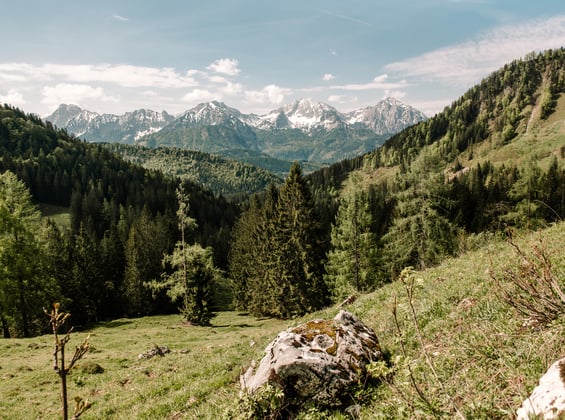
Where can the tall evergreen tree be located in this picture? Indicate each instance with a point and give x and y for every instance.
(193, 274)
(295, 270)
(86, 287)
(144, 249)
(420, 234)
(352, 261)
(244, 247)
(24, 288)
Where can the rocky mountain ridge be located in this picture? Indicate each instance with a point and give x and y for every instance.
(302, 130)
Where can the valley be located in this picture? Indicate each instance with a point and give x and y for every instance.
(433, 229)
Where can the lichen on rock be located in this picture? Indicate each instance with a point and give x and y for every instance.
(317, 361)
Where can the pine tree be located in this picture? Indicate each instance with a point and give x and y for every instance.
(147, 242)
(352, 262)
(295, 270)
(24, 288)
(420, 234)
(193, 274)
(245, 247)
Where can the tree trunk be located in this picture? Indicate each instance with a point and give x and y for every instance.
(23, 310)
(5, 328)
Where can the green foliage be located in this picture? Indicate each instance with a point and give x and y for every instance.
(420, 235)
(267, 403)
(192, 283)
(275, 257)
(221, 175)
(23, 287)
(193, 272)
(352, 261)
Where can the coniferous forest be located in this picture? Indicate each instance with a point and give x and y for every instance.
(134, 235)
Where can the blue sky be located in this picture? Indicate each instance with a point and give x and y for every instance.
(115, 56)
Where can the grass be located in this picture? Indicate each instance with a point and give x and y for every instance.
(60, 215)
(544, 139)
(486, 360)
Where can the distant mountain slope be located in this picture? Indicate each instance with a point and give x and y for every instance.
(221, 175)
(515, 115)
(304, 130)
(387, 116)
(278, 167)
(91, 126)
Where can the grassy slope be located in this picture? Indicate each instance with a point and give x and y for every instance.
(539, 139)
(486, 361)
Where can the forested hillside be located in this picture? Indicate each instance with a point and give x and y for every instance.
(122, 221)
(220, 175)
(492, 160)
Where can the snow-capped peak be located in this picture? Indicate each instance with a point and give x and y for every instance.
(304, 114)
(387, 116)
(211, 113)
(124, 128)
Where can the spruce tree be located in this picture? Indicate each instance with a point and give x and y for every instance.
(251, 256)
(352, 261)
(193, 274)
(421, 234)
(24, 287)
(295, 270)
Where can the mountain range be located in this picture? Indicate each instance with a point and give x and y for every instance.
(303, 130)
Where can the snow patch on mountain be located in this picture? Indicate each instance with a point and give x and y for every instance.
(125, 128)
(386, 117)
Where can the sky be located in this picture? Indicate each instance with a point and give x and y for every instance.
(115, 56)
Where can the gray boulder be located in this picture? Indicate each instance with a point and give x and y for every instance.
(317, 361)
(548, 398)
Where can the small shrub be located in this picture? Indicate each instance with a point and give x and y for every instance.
(268, 403)
(91, 368)
(531, 285)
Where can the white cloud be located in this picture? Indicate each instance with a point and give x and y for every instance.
(328, 77)
(119, 74)
(20, 72)
(197, 96)
(13, 97)
(379, 82)
(217, 79)
(343, 99)
(398, 94)
(122, 75)
(228, 66)
(74, 94)
(231, 89)
(269, 95)
(119, 17)
(467, 63)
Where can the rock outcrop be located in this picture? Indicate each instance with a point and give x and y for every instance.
(547, 400)
(155, 351)
(317, 361)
